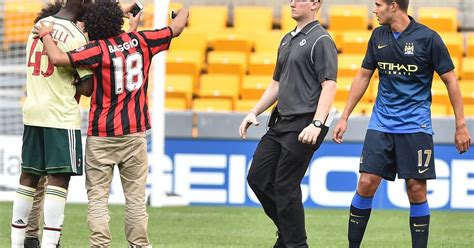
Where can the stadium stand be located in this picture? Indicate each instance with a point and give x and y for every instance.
(440, 19)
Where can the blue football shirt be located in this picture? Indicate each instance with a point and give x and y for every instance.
(406, 66)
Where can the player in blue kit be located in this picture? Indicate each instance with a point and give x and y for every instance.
(399, 137)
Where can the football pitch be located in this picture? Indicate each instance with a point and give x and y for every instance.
(187, 227)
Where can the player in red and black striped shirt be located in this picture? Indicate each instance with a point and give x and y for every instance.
(119, 114)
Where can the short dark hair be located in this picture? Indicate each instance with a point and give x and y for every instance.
(103, 20)
(403, 4)
(49, 10)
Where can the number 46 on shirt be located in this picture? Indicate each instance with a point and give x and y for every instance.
(133, 72)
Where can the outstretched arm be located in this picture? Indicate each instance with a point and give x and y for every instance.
(178, 23)
(56, 56)
(462, 138)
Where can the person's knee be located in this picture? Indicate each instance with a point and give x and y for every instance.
(416, 192)
(59, 180)
(367, 186)
(29, 180)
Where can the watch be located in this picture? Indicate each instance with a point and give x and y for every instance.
(317, 123)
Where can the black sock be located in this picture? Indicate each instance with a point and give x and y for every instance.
(419, 227)
(358, 220)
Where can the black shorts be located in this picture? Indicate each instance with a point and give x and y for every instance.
(410, 155)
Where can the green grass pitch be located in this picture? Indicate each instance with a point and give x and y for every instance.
(188, 227)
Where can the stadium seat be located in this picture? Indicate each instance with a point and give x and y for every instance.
(207, 18)
(219, 86)
(287, 23)
(439, 109)
(212, 105)
(180, 86)
(175, 103)
(268, 42)
(18, 20)
(244, 105)
(467, 90)
(254, 86)
(470, 45)
(262, 63)
(440, 19)
(149, 10)
(348, 18)
(253, 18)
(227, 63)
(468, 110)
(467, 69)
(233, 41)
(455, 44)
(184, 62)
(360, 109)
(198, 44)
(343, 87)
(355, 42)
(349, 65)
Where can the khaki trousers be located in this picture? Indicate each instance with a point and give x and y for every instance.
(129, 153)
(34, 219)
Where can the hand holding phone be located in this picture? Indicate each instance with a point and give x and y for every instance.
(136, 8)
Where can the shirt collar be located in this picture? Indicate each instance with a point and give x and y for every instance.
(310, 26)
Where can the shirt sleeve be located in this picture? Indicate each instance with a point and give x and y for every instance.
(157, 40)
(324, 58)
(277, 71)
(88, 56)
(369, 61)
(440, 57)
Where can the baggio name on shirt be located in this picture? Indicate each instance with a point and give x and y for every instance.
(125, 46)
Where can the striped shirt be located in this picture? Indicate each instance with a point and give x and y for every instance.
(119, 104)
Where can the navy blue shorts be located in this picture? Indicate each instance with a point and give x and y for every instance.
(408, 155)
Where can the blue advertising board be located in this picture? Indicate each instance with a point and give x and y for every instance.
(214, 172)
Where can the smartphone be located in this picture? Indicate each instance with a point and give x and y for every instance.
(137, 7)
(173, 14)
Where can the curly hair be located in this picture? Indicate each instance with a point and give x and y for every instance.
(49, 10)
(103, 20)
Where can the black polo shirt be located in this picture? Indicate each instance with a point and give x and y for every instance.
(305, 60)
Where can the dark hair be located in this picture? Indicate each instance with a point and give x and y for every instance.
(103, 20)
(49, 10)
(403, 4)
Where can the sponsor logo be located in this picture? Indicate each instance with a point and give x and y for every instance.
(356, 216)
(419, 225)
(397, 69)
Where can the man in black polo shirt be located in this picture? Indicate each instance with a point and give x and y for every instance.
(304, 83)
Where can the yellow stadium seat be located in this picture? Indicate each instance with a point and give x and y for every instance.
(440, 19)
(439, 109)
(355, 42)
(184, 62)
(198, 44)
(254, 86)
(262, 63)
(175, 103)
(361, 108)
(208, 18)
(244, 105)
(179, 86)
(212, 104)
(219, 86)
(343, 88)
(253, 18)
(227, 63)
(18, 20)
(467, 90)
(337, 38)
(268, 42)
(467, 70)
(348, 17)
(287, 23)
(233, 41)
(470, 45)
(349, 65)
(455, 44)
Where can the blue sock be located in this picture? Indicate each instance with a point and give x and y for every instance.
(419, 224)
(358, 219)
